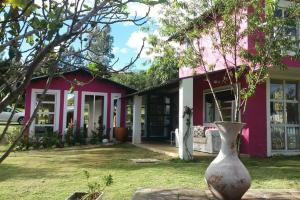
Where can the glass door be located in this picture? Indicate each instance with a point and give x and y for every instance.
(93, 113)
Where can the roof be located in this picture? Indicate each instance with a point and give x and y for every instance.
(81, 70)
(169, 84)
(174, 83)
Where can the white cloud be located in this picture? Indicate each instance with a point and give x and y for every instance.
(117, 50)
(140, 10)
(135, 42)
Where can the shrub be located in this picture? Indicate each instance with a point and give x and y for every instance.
(96, 188)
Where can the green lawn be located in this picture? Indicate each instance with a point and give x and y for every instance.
(54, 174)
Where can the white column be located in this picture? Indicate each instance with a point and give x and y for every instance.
(136, 128)
(185, 99)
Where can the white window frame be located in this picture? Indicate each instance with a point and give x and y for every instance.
(66, 92)
(104, 95)
(208, 91)
(56, 93)
(285, 151)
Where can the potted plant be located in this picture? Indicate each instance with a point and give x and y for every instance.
(95, 189)
(215, 34)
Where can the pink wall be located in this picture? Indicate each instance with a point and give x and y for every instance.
(255, 117)
(254, 135)
(61, 84)
(213, 56)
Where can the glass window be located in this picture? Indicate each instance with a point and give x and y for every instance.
(278, 138)
(277, 112)
(46, 107)
(284, 115)
(7, 109)
(70, 110)
(276, 90)
(292, 114)
(293, 138)
(44, 119)
(279, 12)
(48, 97)
(226, 102)
(290, 91)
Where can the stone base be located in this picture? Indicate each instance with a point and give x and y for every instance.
(188, 194)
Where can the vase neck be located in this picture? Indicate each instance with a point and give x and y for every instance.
(228, 133)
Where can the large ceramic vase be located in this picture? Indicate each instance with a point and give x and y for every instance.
(227, 177)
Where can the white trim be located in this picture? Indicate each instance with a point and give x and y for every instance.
(118, 113)
(66, 92)
(269, 138)
(34, 93)
(104, 95)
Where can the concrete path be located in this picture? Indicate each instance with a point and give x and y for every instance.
(187, 194)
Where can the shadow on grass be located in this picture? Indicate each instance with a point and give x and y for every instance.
(9, 171)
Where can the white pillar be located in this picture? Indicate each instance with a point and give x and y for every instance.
(185, 99)
(136, 127)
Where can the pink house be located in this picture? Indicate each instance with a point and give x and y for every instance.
(79, 105)
(272, 114)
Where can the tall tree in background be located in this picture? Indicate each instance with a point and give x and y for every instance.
(137, 80)
(100, 53)
(71, 60)
(165, 65)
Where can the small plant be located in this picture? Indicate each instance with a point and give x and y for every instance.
(80, 136)
(96, 189)
(69, 134)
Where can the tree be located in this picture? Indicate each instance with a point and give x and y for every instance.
(137, 80)
(216, 27)
(101, 43)
(35, 36)
(164, 66)
(71, 60)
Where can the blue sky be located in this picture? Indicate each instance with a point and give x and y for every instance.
(122, 47)
(128, 37)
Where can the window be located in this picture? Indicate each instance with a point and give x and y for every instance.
(45, 118)
(292, 30)
(70, 111)
(7, 109)
(284, 115)
(226, 103)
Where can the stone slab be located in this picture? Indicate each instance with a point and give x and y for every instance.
(189, 194)
(145, 160)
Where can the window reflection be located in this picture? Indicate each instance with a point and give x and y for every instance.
(276, 90)
(284, 115)
(291, 91)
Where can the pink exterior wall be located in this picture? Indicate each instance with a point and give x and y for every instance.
(61, 84)
(254, 135)
(213, 56)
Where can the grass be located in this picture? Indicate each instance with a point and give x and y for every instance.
(56, 173)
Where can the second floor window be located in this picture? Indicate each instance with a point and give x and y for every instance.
(292, 29)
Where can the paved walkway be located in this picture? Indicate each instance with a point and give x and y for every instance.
(187, 194)
(170, 150)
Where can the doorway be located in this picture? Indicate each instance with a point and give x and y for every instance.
(94, 112)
